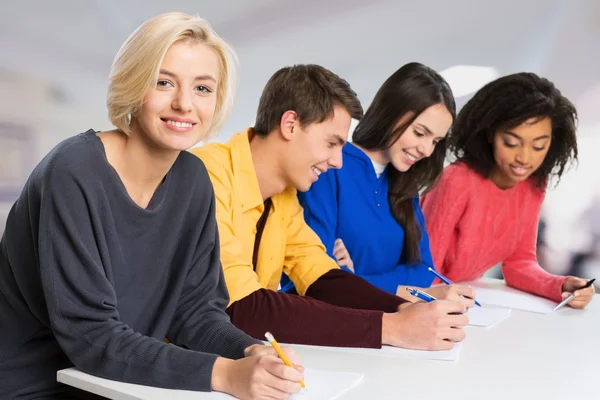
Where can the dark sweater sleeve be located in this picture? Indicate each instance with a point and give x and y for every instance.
(344, 289)
(201, 322)
(81, 300)
(302, 320)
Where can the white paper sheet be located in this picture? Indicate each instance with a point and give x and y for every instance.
(321, 385)
(487, 316)
(389, 351)
(495, 292)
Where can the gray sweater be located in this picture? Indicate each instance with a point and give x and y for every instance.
(90, 279)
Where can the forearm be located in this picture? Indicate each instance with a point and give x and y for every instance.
(124, 355)
(343, 289)
(224, 339)
(302, 320)
(529, 276)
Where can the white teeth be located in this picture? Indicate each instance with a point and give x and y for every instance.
(179, 124)
(316, 171)
(410, 157)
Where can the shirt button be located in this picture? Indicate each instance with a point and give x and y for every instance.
(378, 205)
(254, 230)
(377, 192)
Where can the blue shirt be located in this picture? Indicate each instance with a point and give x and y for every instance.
(351, 203)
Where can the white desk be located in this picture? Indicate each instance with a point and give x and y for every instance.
(527, 356)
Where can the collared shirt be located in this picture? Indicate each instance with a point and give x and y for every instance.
(352, 204)
(287, 245)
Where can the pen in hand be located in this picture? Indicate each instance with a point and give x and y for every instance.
(572, 295)
(420, 294)
(281, 353)
(447, 281)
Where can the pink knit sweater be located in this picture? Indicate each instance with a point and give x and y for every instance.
(473, 225)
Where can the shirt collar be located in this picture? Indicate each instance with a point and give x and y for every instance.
(243, 170)
(354, 152)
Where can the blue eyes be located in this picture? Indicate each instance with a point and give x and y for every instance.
(162, 83)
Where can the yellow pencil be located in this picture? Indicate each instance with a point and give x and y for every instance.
(281, 354)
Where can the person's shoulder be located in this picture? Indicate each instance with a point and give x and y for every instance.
(213, 152)
(459, 170)
(354, 158)
(191, 166)
(216, 157)
(77, 156)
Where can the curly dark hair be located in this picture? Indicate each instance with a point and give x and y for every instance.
(504, 104)
(410, 90)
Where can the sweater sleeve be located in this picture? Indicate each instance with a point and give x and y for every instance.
(345, 289)
(82, 303)
(200, 322)
(321, 209)
(302, 320)
(443, 208)
(521, 269)
(408, 274)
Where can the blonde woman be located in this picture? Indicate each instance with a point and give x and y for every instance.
(113, 244)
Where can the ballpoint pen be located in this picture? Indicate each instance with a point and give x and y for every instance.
(421, 295)
(572, 295)
(447, 281)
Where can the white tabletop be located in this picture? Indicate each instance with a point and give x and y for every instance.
(526, 356)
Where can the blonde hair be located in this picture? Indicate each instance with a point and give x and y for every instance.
(136, 67)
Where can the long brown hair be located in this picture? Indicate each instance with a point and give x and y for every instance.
(408, 91)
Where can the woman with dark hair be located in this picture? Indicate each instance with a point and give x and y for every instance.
(369, 209)
(509, 140)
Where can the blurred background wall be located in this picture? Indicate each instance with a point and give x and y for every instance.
(56, 57)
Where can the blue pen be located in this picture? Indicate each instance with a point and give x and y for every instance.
(421, 295)
(446, 281)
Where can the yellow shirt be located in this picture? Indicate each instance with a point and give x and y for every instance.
(288, 244)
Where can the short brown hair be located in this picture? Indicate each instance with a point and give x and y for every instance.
(310, 90)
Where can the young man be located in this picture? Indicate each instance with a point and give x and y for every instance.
(302, 123)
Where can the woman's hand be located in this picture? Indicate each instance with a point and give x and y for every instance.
(463, 294)
(582, 296)
(259, 375)
(342, 256)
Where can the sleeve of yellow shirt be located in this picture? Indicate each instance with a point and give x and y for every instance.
(305, 256)
(240, 277)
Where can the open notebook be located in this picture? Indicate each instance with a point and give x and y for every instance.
(321, 385)
(496, 292)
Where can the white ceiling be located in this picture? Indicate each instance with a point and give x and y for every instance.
(71, 44)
